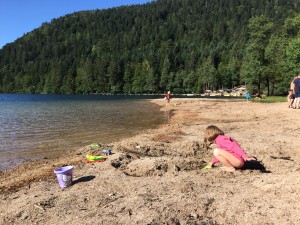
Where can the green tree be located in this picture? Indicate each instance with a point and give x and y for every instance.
(128, 77)
(178, 87)
(164, 77)
(83, 80)
(68, 86)
(100, 82)
(189, 82)
(293, 55)
(207, 76)
(275, 55)
(8, 83)
(54, 79)
(253, 71)
(151, 79)
(139, 80)
(114, 71)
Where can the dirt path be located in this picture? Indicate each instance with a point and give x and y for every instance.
(156, 177)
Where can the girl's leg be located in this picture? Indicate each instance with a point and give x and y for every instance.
(292, 102)
(229, 161)
(296, 103)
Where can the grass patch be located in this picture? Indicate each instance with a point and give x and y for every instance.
(269, 99)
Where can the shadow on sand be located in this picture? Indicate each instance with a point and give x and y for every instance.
(83, 179)
(255, 165)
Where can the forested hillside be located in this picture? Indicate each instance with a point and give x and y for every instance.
(179, 45)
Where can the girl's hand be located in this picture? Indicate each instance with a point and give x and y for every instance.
(250, 158)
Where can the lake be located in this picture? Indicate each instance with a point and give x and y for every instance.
(37, 126)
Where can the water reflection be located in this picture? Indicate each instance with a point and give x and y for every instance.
(40, 126)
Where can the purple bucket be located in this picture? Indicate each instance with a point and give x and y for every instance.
(64, 176)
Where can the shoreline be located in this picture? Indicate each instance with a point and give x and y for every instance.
(155, 176)
(46, 165)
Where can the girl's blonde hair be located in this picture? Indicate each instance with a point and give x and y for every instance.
(211, 133)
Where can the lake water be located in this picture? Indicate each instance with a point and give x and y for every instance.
(37, 126)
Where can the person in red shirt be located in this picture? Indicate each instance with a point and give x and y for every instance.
(168, 96)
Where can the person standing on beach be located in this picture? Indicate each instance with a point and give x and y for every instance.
(228, 151)
(296, 88)
(168, 96)
(247, 96)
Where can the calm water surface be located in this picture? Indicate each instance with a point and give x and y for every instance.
(37, 126)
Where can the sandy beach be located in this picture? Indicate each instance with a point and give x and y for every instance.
(155, 177)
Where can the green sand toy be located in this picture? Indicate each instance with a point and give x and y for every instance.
(95, 145)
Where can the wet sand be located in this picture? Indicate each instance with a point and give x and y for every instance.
(155, 177)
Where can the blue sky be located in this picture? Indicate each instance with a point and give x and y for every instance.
(18, 17)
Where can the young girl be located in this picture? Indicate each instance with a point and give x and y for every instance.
(228, 151)
(291, 98)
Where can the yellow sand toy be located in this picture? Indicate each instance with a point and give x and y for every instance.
(207, 167)
(94, 157)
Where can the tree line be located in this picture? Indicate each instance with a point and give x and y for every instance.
(179, 45)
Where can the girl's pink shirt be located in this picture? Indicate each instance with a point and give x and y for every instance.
(230, 145)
